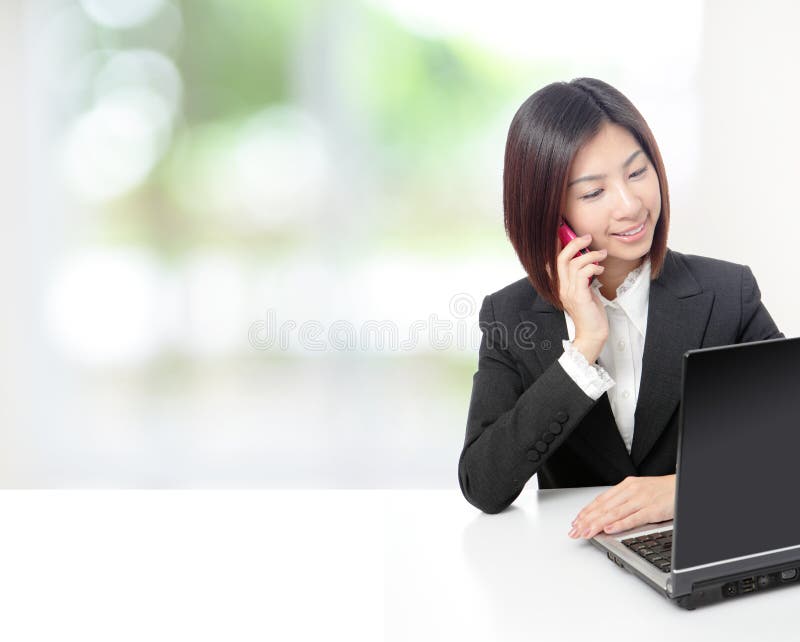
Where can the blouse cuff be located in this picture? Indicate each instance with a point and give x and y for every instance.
(593, 379)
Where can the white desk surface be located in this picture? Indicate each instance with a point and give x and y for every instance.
(333, 565)
(455, 573)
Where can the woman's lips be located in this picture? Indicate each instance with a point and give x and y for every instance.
(634, 237)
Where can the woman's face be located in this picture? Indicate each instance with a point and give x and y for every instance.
(612, 188)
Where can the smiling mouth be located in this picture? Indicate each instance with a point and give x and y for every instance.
(634, 231)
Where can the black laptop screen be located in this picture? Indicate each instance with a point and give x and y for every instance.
(739, 453)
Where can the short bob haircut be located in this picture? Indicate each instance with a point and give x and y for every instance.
(546, 133)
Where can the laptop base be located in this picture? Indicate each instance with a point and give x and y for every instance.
(718, 589)
(733, 586)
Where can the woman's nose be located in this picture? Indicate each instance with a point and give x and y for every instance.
(627, 202)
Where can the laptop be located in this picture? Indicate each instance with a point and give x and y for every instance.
(736, 529)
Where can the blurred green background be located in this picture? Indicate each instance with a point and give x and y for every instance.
(211, 174)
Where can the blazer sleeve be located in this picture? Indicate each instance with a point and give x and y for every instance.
(511, 432)
(756, 323)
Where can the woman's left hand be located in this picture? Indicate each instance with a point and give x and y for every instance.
(633, 502)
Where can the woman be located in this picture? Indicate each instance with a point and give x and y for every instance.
(580, 383)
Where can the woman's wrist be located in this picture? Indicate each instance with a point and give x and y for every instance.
(589, 348)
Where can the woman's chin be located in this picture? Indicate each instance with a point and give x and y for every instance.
(630, 250)
(633, 254)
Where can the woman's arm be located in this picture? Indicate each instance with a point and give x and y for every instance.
(511, 432)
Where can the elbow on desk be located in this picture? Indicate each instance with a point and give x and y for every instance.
(482, 497)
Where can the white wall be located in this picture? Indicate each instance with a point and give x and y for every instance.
(747, 178)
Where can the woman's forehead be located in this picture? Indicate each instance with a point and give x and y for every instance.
(611, 139)
(609, 150)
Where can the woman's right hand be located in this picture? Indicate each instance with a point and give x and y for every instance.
(579, 299)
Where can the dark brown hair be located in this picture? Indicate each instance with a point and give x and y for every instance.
(545, 135)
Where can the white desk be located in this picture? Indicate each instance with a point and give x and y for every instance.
(455, 573)
(333, 565)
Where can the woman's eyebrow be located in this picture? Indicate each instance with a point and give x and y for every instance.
(594, 177)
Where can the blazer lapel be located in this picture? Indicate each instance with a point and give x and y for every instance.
(550, 329)
(677, 317)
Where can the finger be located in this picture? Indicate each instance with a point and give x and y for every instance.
(583, 260)
(586, 510)
(594, 516)
(588, 270)
(639, 518)
(591, 506)
(599, 519)
(565, 271)
(577, 525)
(578, 243)
(602, 520)
(571, 249)
(611, 497)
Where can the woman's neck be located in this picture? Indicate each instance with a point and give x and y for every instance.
(615, 273)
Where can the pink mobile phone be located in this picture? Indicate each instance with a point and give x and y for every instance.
(566, 234)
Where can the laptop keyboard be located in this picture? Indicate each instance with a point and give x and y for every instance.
(656, 548)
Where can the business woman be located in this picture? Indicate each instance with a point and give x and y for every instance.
(578, 382)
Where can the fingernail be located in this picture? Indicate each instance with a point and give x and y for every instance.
(571, 533)
(586, 236)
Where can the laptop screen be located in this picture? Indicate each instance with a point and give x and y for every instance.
(738, 452)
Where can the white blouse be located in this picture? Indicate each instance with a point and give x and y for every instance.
(619, 366)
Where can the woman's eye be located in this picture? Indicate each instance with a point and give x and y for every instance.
(636, 174)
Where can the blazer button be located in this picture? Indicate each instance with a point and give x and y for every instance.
(561, 416)
(533, 455)
(540, 446)
(548, 437)
(555, 428)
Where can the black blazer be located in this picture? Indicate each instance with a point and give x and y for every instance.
(527, 415)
